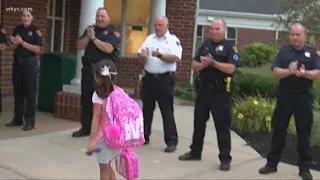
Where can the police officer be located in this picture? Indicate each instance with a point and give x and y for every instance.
(216, 60)
(26, 42)
(160, 52)
(101, 41)
(297, 65)
(3, 42)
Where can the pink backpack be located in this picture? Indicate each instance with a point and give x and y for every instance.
(127, 164)
(124, 121)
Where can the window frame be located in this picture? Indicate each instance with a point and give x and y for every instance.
(124, 25)
(53, 19)
(202, 35)
(235, 39)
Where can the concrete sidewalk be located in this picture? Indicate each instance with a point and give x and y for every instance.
(59, 156)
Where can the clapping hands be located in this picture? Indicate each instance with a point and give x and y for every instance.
(90, 32)
(293, 67)
(206, 60)
(16, 40)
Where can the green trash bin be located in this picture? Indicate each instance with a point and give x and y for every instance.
(56, 69)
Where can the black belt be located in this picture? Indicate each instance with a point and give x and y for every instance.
(158, 75)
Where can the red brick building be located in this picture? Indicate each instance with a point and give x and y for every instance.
(59, 22)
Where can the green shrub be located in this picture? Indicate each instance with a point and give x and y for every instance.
(315, 131)
(253, 114)
(257, 54)
(185, 91)
(253, 85)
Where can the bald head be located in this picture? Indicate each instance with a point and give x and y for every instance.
(298, 26)
(217, 29)
(161, 25)
(297, 35)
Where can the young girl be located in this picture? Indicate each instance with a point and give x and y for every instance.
(104, 72)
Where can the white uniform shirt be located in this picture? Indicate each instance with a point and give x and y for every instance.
(168, 44)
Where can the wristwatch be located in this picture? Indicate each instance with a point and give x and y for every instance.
(159, 56)
(94, 38)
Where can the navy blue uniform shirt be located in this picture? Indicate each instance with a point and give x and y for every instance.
(28, 34)
(224, 51)
(307, 56)
(108, 35)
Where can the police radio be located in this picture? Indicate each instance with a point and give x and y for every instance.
(92, 26)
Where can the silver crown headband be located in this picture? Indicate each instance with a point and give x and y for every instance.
(106, 72)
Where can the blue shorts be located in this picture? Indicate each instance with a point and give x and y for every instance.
(106, 154)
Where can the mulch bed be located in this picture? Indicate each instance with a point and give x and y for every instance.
(261, 143)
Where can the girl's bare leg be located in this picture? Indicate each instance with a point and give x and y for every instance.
(112, 174)
(104, 171)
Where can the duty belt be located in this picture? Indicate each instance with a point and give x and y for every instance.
(158, 75)
(216, 85)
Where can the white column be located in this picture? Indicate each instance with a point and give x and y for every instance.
(157, 8)
(87, 17)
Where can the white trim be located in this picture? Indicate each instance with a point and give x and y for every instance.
(245, 26)
(54, 19)
(53, 10)
(239, 14)
(123, 27)
(195, 32)
(242, 20)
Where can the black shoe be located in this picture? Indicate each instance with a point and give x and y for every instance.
(27, 127)
(170, 149)
(146, 142)
(81, 133)
(305, 175)
(189, 156)
(267, 170)
(14, 124)
(225, 166)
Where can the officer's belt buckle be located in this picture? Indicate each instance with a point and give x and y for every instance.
(155, 75)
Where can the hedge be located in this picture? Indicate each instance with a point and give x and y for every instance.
(248, 84)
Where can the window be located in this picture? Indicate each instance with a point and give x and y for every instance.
(56, 16)
(231, 35)
(131, 17)
(200, 36)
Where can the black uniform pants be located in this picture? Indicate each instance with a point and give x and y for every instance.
(24, 78)
(300, 105)
(87, 90)
(219, 104)
(160, 89)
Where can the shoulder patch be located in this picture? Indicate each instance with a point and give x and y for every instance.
(318, 52)
(235, 49)
(39, 32)
(117, 34)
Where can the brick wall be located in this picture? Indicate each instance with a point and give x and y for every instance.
(246, 36)
(10, 20)
(71, 25)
